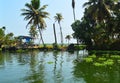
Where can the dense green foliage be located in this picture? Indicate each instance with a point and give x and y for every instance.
(1, 36)
(6, 39)
(33, 32)
(99, 28)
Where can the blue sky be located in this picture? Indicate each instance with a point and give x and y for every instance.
(10, 17)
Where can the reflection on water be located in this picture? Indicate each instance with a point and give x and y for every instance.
(53, 67)
(92, 74)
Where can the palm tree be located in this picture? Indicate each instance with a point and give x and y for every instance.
(73, 6)
(100, 15)
(58, 18)
(55, 33)
(98, 9)
(68, 37)
(35, 15)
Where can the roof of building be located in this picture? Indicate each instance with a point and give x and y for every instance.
(25, 37)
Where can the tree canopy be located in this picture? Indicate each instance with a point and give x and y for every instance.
(99, 28)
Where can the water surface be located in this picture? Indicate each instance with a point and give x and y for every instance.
(53, 67)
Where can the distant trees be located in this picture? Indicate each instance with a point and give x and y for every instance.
(99, 27)
(35, 14)
(68, 37)
(9, 39)
(6, 39)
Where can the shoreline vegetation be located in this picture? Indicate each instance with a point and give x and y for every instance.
(47, 47)
(52, 47)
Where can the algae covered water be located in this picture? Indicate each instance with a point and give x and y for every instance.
(55, 67)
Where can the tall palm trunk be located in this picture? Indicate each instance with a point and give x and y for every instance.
(73, 6)
(61, 34)
(41, 35)
(55, 33)
(74, 13)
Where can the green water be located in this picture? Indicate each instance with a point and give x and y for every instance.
(54, 67)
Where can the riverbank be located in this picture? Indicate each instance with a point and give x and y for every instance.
(50, 47)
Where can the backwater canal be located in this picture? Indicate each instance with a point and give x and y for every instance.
(54, 67)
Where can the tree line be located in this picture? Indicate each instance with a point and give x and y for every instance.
(99, 28)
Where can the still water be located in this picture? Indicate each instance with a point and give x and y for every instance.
(53, 67)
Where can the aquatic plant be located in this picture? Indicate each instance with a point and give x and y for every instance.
(93, 56)
(109, 62)
(102, 59)
(115, 56)
(88, 59)
(98, 64)
(118, 61)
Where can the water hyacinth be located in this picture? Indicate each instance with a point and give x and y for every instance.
(98, 64)
(118, 61)
(109, 62)
(88, 59)
(102, 59)
(93, 56)
(115, 56)
(105, 60)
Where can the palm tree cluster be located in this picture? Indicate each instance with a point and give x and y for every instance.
(59, 18)
(35, 14)
(99, 26)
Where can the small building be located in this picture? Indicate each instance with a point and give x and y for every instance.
(25, 40)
